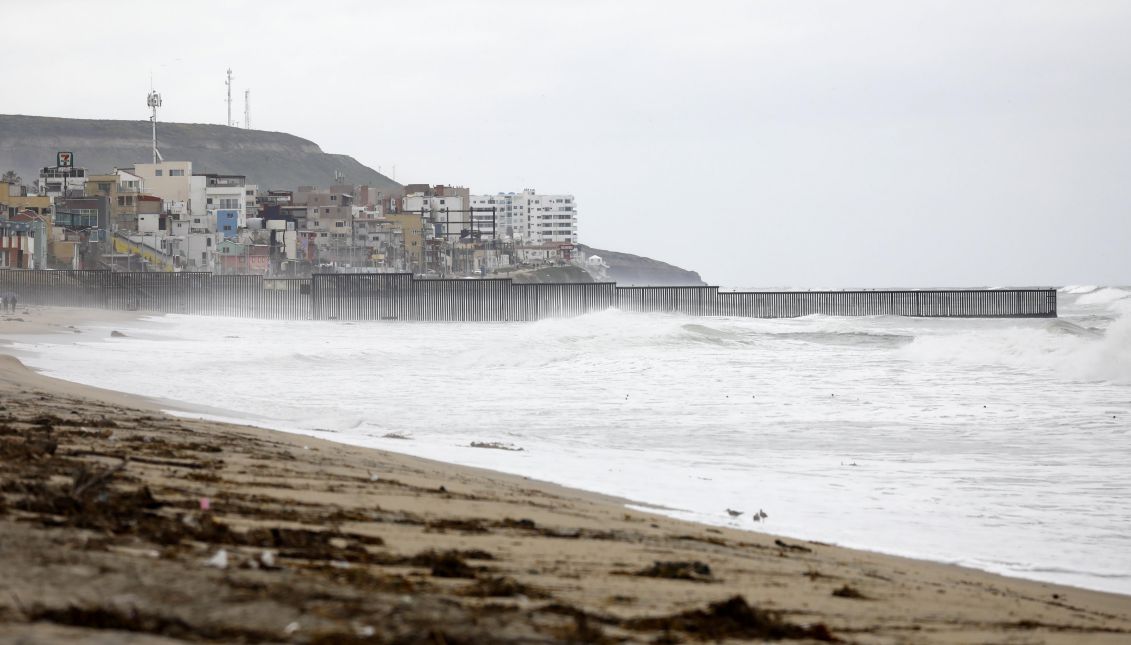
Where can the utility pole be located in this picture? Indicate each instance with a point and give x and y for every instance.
(154, 102)
(229, 84)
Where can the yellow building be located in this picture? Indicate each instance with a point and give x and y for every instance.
(14, 201)
(123, 191)
(412, 231)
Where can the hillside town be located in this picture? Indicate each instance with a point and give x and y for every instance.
(168, 216)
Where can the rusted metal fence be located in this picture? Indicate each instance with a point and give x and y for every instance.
(399, 296)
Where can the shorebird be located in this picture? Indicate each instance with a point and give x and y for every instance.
(733, 513)
(759, 516)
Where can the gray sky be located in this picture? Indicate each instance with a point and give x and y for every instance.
(783, 143)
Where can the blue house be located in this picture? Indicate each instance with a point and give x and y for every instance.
(227, 223)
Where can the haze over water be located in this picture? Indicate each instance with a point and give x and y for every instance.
(999, 444)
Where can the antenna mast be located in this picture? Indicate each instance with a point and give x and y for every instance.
(247, 109)
(229, 84)
(154, 102)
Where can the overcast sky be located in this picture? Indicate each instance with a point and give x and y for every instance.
(783, 143)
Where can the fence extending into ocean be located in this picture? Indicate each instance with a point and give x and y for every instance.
(400, 296)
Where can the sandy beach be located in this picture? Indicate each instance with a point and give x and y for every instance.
(122, 524)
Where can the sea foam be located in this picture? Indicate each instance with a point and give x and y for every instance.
(949, 439)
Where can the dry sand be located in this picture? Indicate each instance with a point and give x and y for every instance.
(104, 539)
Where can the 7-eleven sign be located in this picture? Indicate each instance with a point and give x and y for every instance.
(65, 159)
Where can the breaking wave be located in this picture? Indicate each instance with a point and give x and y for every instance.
(1062, 347)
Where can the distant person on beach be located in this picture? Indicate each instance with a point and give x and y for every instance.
(8, 302)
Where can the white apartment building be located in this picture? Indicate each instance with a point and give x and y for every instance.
(437, 211)
(251, 196)
(531, 218)
(505, 212)
(226, 192)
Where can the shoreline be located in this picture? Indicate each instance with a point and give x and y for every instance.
(876, 539)
(584, 550)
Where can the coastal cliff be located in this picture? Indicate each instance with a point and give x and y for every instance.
(629, 269)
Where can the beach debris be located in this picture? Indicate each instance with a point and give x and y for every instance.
(373, 477)
(693, 570)
(732, 618)
(267, 559)
(205, 504)
(32, 446)
(524, 523)
(471, 525)
(291, 628)
(734, 513)
(450, 565)
(848, 591)
(117, 334)
(86, 480)
(496, 445)
(759, 516)
(395, 435)
(364, 631)
(792, 547)
(219, 560)
(501, 587)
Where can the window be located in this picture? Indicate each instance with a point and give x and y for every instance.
(176, 173)
(209, 200)
(103, 186)
(158, 172)
(207, 241)
(339, 224)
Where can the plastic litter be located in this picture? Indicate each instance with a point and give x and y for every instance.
(220, 560)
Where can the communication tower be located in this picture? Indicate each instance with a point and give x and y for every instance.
(247, 109)
(229, 84)
(154, 102)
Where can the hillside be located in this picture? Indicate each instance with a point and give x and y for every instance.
(629, 269)
(271, 160)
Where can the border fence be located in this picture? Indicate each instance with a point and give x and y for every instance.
(400, 296)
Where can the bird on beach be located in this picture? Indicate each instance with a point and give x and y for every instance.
(759, 516)
(733, 513)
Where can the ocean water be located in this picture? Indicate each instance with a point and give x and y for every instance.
(999, 444)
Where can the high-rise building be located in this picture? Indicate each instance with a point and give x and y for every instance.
(531, 218)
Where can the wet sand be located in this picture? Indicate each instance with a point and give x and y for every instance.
(121, 524)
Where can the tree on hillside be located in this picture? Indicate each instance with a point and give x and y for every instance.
(12, 177)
